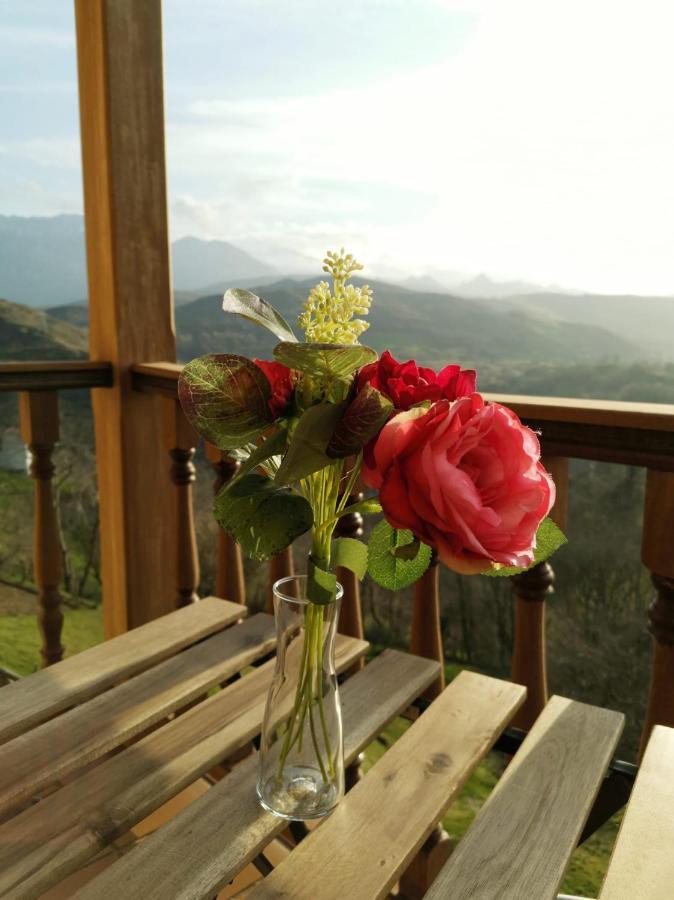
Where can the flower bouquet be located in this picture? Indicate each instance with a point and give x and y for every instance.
(453, 473)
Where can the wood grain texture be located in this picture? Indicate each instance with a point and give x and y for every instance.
(46, 754)
(26, 703)
(361, 850)
(523, 837)
(642, 864)
(121, 94)
(202, 849)
(47, 841)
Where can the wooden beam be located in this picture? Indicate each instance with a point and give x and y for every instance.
(54, 376)
(119, 51)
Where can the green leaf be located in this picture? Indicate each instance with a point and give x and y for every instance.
(226, 398)
(262, 517)
(549, 538)
(321, 585)
(306, 449)
(255, 309)
(350, 554)
(362, 420)
(272, 446)
(324, 360)
(388, 569)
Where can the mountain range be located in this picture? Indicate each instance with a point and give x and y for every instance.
(42, 264)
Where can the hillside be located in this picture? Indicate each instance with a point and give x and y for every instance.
(433, 328)
(647, 321)
(33, 334)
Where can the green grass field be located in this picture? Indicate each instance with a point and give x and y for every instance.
(20, 638)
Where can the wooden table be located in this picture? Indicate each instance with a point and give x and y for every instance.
(93, 745)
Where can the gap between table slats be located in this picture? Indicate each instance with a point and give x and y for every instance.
(47, 841)
(522, 839)
(46, 754)
(31, 700)
(202, 849)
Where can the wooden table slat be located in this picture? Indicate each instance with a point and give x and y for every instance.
(29, 701)
(642, 864)
(522, 839)
(373, 835)
(46, 754)
(218, 834)
(43, 844)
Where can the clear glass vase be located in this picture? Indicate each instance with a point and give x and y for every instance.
(301, 765)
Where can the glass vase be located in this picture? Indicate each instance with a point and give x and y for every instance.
(301, 764)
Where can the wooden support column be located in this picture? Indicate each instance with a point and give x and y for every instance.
(657, 553)
(531, 588)
(119, 53)
(229, 579)
(40, 431)
(181, 441)
(351, 614)
(425, 632)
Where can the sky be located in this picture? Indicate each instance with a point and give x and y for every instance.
(522, 138)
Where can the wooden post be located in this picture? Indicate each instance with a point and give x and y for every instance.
(40, 431)
(229, 578)
(425, 632)
(181, 440)
(531, 588)
(351, 614)
(657, 553)
(119, 54)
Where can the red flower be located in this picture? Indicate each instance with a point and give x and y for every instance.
(282, 381)
(406, 384)
(465, 478)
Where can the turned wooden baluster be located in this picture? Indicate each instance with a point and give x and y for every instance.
(425, 632)
(657, 553)
(350, 614)
(181, 440)
(229, 578)
(40, 431)
(530, 590)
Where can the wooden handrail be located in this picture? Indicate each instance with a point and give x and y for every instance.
(634, 434)
(57, 375)
(156, 377)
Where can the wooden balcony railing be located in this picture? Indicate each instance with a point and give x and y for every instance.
(630, 433)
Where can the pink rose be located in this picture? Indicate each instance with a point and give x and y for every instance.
(464, 477)
(282, 381)
(406, 384)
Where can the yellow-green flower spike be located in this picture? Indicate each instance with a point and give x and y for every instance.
(328, 317)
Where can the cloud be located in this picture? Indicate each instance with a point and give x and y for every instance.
(542, 150)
